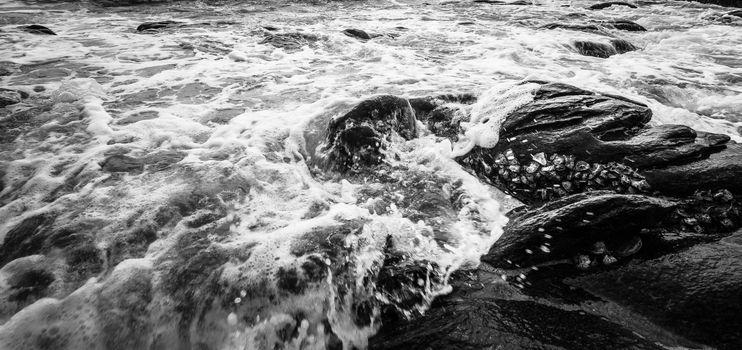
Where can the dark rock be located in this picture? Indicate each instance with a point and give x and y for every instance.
(357, 33)
(30, 284)
(603, 5)
(290, 41)
(270, 28)
(357, 138)
(573, 224)
(737, 13)
(38, 29)
(26, 238)
(122, 163)
(9, 97)
(577, 27)
(625, 25)
(602, 50)
(153, 26)
(489, 323)
(719, 170)
(695, 292)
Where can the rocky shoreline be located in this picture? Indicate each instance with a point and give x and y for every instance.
(636, 219)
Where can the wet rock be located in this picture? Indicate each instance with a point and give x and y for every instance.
(602, 50)
(720, 170)
(154, 26)
(357, 33)
(122, 163)
(290, 41)
(574, 224)
(9, 97)
(26, 238)
(38, 29)
(358, 138)
(490, 323)
(700, 290)
(578, 27)
(603, 5)
(625, 25)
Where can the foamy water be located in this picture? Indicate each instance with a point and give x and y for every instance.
(240, 115)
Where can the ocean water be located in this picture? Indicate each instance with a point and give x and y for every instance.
(225, 237)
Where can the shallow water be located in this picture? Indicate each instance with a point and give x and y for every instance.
(226, 120)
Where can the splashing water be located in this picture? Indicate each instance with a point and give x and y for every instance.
(165, 172)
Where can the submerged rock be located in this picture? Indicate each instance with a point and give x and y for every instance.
(38, 29)
(290, 41)
(359, 138)
(603, 5)
(602, 50)
(625, 25)
(357, 33)
(9, 97)
(154, 26)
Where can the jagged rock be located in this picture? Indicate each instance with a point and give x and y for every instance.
(719, 170)
(490, 323)
(9, 97)
(357, 33)
(578, 27)
(153, 26)
(122, 163)
(695, 292)
(38, 29)
(572, 224)
(290, 41)
(625, 25)
(603, 5)
(357, 138)
(603, 50)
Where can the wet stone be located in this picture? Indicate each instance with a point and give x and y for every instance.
(37, 29)
(603, 5)
(357, 33)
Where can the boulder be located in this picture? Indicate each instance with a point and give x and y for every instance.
(603, 50)
(289, 41)
(37, 29)
(154, 26)
(357, 33)
(721, 170)
(603, 5)
(624, 25)
(9, 97)
(570, 140)
(358, 138)
(566, 227)
(695, 292)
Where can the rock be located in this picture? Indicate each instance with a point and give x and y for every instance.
(462, 322)
(606, 130)
(357, 33)
(357, 138)
(122, 163)
(37, 29)
(578, 27)
(737, 13)
(573, 224)
(154, 26)
(720, 170)
(603, 5)
(602, 50)
(700, 291)
(9, 97)
(289, 41)
(625, 25)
